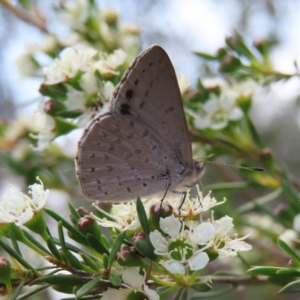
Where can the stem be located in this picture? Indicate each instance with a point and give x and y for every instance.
(245, 280)
(161, 282)
(24, 15)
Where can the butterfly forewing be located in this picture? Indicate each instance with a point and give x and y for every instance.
(135, 148)
(149, 91)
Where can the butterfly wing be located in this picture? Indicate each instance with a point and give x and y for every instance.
(136, 148)
(149, 91)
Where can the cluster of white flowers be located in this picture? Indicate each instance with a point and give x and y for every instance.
(181, 243)
(184, 243)
(218, 111)
(74, 61)
(18, 208)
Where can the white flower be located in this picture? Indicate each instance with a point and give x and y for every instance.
(88, 82)
(231, 247)
(289, 236)
(202, 233)
(18, 208)
(18, 127)
(76, 100)
(193, 206)
(71, 60)
(224, 226)
(133, 283)
(212, 83)
(27, 65)
(222, 243)
(109, 63)
(184, 84)
(44, 125)
(108, 89)
(241, 89)
(75, 13)
(297, 223)
(217, 112)
(124, 216)
(180, 247)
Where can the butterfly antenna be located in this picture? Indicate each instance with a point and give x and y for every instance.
(258, 169)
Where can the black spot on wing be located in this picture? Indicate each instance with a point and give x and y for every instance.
(129, 94)
(125, 109)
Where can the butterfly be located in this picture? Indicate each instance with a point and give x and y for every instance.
(141, 146)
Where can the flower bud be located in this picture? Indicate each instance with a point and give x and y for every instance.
(222, 52)
(158, 211)
(88, 224)
(126, 257)
(5, 273)
(111, 18)
(82, 211)
(138, 236)
(268, 158)
(229, 64)
(104, 205)
(52, 107)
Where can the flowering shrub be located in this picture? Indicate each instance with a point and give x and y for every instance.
(143, 249)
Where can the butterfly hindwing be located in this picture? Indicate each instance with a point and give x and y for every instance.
(117, 160)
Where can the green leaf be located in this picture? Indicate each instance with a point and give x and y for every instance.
(59, 280)
(285, 247)
(70, 258)
(18, 257)
(264, 270)
(178, 295)
(76, 235)
(254, 134)
(213, 294)
(206, 55)
(55, 91)
(74, 82)
(105, 261)
(292, 287)
(115, 247)
(96, 244)
(13, 240)
(201, 286)
(35, 242)
(62, 126)
(52, 247)
(86, 288)
(32, 292)
(89, 261)
(115, 280)
(17, 291)
(281, 280)
(142, 215)
(75, 215)
(288, 272)
(184, 294)
(146, 248)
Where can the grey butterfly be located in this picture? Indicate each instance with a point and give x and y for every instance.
(141, 146)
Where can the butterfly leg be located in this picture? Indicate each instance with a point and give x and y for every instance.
(161, 201)
(182, 200)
